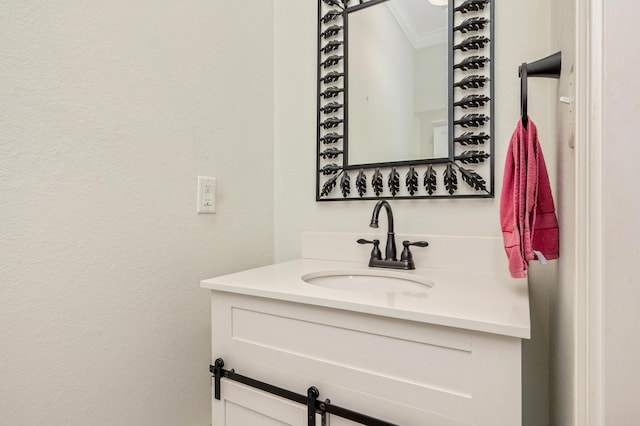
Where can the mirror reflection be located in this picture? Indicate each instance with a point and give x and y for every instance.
(397, 82)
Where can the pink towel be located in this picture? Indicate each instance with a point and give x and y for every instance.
(527, 213)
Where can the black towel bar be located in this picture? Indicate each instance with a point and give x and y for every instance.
(548, 67)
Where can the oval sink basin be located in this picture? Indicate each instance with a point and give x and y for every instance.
(370, 281)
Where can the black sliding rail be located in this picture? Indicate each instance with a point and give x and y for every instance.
(314, 406)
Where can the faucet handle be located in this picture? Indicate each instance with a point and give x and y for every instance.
(406, 243)
(406, 253)
(375, 251)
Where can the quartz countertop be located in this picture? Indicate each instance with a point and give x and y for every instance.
(469, 299)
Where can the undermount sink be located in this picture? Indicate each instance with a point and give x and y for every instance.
(369, 281)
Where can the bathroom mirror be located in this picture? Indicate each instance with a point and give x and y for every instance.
(404, 41)
(405, 99)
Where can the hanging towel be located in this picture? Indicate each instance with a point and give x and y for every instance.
(527, 212)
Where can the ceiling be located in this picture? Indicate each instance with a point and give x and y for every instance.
(423, 23)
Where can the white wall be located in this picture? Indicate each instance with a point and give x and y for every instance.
(109, 111)
(519, 38)
(430, 98)
(431, 78)
(563, 305)
(382, 122)
(621, 210)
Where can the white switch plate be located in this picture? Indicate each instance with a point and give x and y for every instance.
(206, 195)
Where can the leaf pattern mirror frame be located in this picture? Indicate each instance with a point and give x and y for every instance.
(468, 171)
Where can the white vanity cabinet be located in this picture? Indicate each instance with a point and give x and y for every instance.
(399, 370)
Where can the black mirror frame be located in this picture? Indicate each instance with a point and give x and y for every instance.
(469, 68)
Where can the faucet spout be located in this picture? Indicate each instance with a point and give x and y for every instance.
(390, 249)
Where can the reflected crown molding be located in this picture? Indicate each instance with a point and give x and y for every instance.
(418, 34)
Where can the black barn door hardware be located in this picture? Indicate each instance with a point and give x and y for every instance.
(314, 406)
(548, 67)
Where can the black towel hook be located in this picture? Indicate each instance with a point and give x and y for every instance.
(548, 67)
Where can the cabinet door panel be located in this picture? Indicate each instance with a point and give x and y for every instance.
(242, 405)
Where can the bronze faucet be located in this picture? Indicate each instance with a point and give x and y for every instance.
(390, 260)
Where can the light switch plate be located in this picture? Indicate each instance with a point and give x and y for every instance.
(206, 195)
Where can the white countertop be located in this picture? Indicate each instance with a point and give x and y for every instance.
(463, 298)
